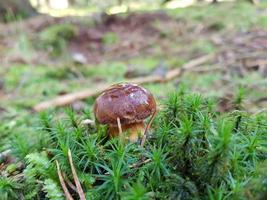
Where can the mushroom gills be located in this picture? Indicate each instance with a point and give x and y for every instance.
(133, 131)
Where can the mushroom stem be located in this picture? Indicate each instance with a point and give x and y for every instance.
(134, 130)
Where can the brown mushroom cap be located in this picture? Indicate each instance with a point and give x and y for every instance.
(129, 102)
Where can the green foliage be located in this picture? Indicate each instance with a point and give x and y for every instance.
(136, 192)
(194, 152)
(240, 15)
(39, 165)
(53, 192)
(110, 38)
(8, 188)
(8, 15)
(203, 46)
(263, 21)
(257, 187)
(54, 38)
(21, 146)
(40, 170)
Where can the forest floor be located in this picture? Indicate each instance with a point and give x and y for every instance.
(46, 57)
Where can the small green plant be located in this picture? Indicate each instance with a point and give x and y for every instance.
(52, 189)
(10, 16)
(110, 38)
(8, 188)
(194, 152)
(56, 37)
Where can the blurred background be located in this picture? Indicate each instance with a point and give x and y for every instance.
(54, 48)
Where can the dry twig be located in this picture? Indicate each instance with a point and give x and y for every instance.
(69, 183)
(138, 164)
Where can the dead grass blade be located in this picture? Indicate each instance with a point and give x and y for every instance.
(62, 182)
(75, 177)
(147, 128)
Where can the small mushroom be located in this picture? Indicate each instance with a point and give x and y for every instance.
(126, 105)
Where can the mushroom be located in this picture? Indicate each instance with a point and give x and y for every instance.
(124, 107)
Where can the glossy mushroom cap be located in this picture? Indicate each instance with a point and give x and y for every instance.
(129, 102)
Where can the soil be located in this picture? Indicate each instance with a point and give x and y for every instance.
(136, 33)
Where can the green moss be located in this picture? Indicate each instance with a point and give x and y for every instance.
(203, 46)
(32, 84)
(160, 90)
(109, 71)
(144, 64)
(56, 32)
(110, 38)
(55, 37)
(263, 21)
(240, 15)
(189, 140)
